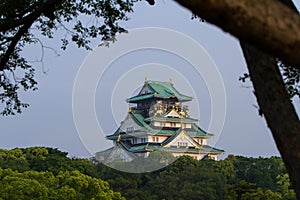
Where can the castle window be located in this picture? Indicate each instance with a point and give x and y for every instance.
(155, 139)
(134, 141)
(182, 144)
(200, 141)
(129, 129)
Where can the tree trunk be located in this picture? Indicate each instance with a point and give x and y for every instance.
(267, 24)
(277, 108)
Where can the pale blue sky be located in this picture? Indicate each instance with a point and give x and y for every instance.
(49, 120)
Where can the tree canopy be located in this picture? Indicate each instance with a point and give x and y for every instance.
(47, 173)
(24, 176)
(23, 22)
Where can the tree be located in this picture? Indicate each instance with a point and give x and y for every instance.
(273, 99)
(260, 25)
(262, 171)
(284, 187)
(45, 185)
(14, 159)
(247, 191)
(47, 173)
(233, 178)
(263, 24)
(22, 22)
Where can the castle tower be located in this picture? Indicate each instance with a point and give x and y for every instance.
(160, 121)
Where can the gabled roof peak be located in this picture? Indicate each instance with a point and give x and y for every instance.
(158, 90)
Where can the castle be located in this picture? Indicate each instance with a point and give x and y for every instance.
(159, 121)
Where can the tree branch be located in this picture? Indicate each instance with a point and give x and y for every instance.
(6, 27)
(49, 5)
(267, 24)
(13, 43)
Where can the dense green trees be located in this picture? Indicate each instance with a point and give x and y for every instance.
(45, 185)
(46, 173)
(233, 178)
(44, 159)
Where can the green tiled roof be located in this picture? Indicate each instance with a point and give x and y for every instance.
(139, 119)
(198, 132)
(172, 137)
(153, 147)
(193, 150)
(215, 150)
(104, 153)
(140, 97)
(162, 90)
(189, 132)
(127, 135)
(166, 132)
(172, 119)
(107, 155)
(140, 147)
(195, 131)
(145, 129)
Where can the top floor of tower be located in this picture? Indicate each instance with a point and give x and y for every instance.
(155, 96)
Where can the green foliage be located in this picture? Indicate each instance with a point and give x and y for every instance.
(291, 78)
(186, 178)
(192, 182)
(283, 182)
(155, 161)
(238, 190)
(47, 173)
(22, 22)
(233, 178)
(262, 171)
(45, 185)
(13, 159)
(44, 159)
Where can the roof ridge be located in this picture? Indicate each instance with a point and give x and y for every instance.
(167, 141)
(159, 81)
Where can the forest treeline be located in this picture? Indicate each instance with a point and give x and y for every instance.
(47, 173)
